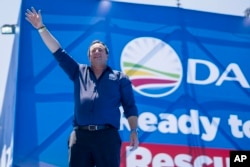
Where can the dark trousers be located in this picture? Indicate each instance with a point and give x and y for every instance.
(99, 148)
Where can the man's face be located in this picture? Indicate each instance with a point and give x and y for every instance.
(97, 54)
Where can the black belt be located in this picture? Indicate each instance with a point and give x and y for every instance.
(93, 127)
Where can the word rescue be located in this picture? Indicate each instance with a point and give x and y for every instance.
(189, 124)
(150, 155)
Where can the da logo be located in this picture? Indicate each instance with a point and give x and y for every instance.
(152, 65)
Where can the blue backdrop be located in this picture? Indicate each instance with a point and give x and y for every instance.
(190, 73)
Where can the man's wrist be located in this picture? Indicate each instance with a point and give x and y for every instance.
(41, 29)
(136, 130)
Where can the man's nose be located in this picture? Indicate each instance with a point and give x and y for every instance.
(97, 51)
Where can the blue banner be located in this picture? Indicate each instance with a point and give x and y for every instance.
(189, 71)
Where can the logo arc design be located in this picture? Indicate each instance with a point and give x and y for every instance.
(150, 77)
(153, 67)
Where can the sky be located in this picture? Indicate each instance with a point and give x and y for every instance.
(228, 7)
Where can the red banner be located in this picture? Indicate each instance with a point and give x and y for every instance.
(155, 155)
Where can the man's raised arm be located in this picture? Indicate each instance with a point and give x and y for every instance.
(35, 19)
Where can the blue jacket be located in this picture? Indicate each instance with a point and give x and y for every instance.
(97, 101)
